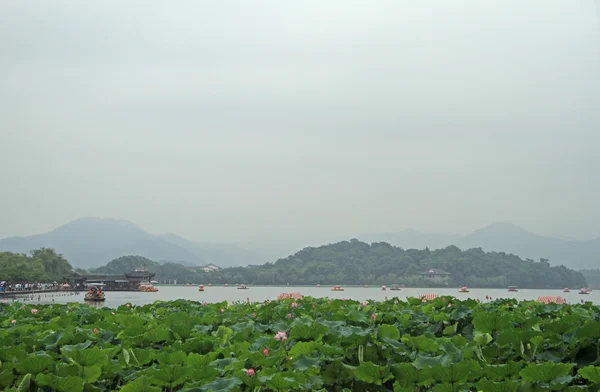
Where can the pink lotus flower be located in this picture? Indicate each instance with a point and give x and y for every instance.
(34, 311)
(449, 305)
(294, 305)
(289, 315)
(487, 297)
(253, 314)
(582, 301)
(204, 303)
(266, 352)
(128, 305)
(444, 299)
(112, 312)
(222, 310)
(250, 372)
(328, 302)
(281, 336)
(374, 316)
(96, 331)
(364, 304)
(14, 322)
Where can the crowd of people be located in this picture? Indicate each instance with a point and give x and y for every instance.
(25, 287)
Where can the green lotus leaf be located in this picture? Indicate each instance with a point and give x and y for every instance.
(490, 386)
(302, 348)
(407, 375)
(591, 373)
(174, 358)
(546, 372)
(158, 334)
(35, 363)
(503, 372)
(51, 340)
(93, 356)
(170, 375)
(303, 363)
(68, 384)
(142, 384)
(483, 338)
(25, 383)
(372, 373)
(489, 322)
(389, 331)
(336, 372)
(590, 329)
(6, 378)
(219, 385)
(305, 332)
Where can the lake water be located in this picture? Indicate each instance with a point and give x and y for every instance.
(259, 294)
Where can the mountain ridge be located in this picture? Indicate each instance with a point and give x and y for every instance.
(91, 242)
(502, 237)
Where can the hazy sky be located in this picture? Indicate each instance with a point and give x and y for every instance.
(300, 121)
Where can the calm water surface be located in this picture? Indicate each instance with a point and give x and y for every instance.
(259, 294)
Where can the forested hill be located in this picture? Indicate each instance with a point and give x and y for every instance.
(356, 262)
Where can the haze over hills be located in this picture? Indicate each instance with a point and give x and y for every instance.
(91, 242)
(502, 237)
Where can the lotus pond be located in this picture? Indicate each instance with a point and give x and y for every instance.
(309, 344)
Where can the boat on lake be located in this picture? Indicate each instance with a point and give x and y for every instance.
(383, 288)
(584, 291)
(566, 290)
(337, 288)
(94, 294)
(201, 287)
(463, 289)
(395, 287)
(513, 288)
(242, 287)
(148, 288)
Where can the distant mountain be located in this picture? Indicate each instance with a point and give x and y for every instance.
(503, 237)
(91, 242)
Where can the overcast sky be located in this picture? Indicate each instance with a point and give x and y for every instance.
(300, 121)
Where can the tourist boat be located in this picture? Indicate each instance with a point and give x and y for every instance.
(226, 285)
(94, 297)
(383, 288)
(201, 287)
(318, 285)
(148, 288)
(566, 290)
(463, 289)
(395, 288)
(584, 291)
(242, 287)
(512, 288)
(366, 286)
(337, 288)
(94, 294)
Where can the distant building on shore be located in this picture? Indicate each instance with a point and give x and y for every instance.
(205, 268)
(436, 275)
(126, 282)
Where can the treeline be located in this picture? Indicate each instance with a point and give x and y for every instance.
(164, 271)
(40, 266)
(356, 262)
